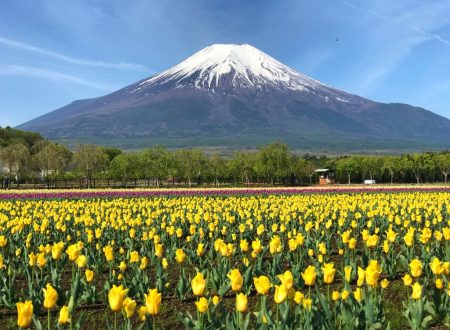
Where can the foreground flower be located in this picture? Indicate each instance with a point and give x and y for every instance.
(116, 296)
(436, 266)
(241, 302)
(24, 314)
(373, 272)
(50, 297)
(198, 284)
(108, 251)
(286, 279)
(407, 280)
(129, 305)
(180, 256)
(416, 267)
(262, 284)
(153, 302)
(236, 280)
(281, 293)
(64, 315)
(309, 275)
(202, 305)
(73, 251)
(328, 273)
(416, 291)
(307, 303)
(89, 275)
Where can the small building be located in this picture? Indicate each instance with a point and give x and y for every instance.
(326, 176)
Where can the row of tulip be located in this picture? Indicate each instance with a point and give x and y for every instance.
(286, 261)
(180, 192)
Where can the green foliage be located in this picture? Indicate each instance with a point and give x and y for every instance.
(9, 136)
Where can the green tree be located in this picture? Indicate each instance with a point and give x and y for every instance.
(418, 164)
(125, 167)
(89, 159)
(391, 164)
(371, 165)
(50, 158)
(443, 164)
(15, 157)
(155, 162)
(275, 160)
(350, 166)
(243, 166)
(217, 168)
(190, 164)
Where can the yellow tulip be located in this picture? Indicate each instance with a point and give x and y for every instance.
(335, 295)
(89, 275)
(281, 293)
(159, 249)
(24, 314)
(262, 284)
(153, 302)
(236, 280)
(298, 297)
(198, 284)
(287, 279)
(164, 263)
(384, 283)
(180, 256)
(348, 273)
(129, 305)
(50, 296)
(116, 296)
(372, 273)
(64, 315)
(109, 254)
(439, 284)
(309, 275)
(57, 250)
(416, 267)
(142, 311)
(436, 266)
(358, 294)
(200, 249)
(407, 280)
(216, 300)
(73, 251)
(41, 260)
(122, 266)
(307, 303)
(81, 261)
(134, 257)
(345, 294)
(241, 302)
(328, 273)
(202, 305)
(416, 291)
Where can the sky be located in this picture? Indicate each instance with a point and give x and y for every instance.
(53, 52)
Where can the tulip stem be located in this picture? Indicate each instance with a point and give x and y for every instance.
(153, 323)
(48, 319)
(115, 321)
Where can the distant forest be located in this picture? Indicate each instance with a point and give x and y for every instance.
(28, 157)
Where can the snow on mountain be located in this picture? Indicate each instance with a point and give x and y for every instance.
(243, 66)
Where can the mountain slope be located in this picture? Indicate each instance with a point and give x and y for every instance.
(238, 95)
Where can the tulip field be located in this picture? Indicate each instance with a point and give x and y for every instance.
(218, 259)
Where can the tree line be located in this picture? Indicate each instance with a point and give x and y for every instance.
(271, 164)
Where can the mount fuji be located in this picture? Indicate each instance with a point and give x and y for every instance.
(236, 95)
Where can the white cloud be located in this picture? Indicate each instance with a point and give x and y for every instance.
(17, 70)
(68, 59)
(405, 27)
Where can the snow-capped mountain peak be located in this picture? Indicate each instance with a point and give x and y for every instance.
(220, 66)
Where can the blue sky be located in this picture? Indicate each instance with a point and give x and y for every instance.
(55, 51)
